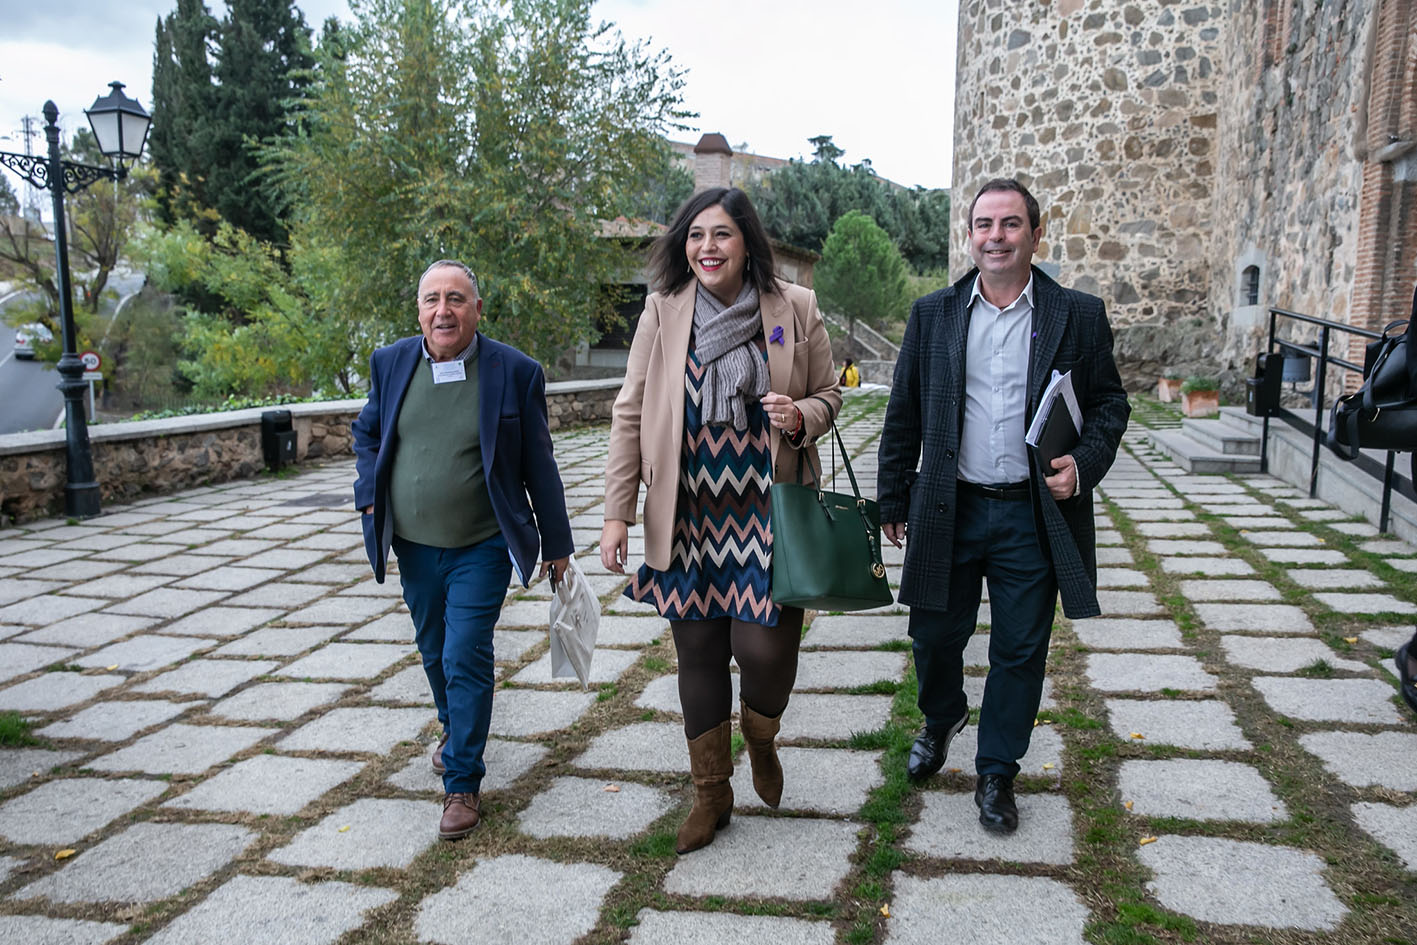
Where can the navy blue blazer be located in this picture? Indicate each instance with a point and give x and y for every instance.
(924, 419)
(516, 451)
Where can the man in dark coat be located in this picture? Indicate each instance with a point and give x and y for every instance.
(973, 365)
(456, 473)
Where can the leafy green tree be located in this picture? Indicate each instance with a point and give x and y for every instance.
(862, 274)
(800, 203)
(219, 90)
(500, 133)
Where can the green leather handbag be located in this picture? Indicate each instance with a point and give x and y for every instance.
(826, 546)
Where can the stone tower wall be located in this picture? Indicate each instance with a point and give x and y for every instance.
(1108, 112)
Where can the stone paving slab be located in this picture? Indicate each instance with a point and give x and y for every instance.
(277, 641)
(767, 857)
(1147, 672)
(275, 910)
(1305, 556)
(1161, 515)
(974, 692)
(143, 653)
(1366, 603)
(180, 563)
(832, 781)
(1121, 577)
(370, 833)
(347, 661)
(606, 666)
(42, 930)
(167, 602)
(229, 579)
(283, 594)
(1284, 655)
(1247, 522)
(1124, 633)
(522, 712)
(221, 621)
(512, 645)
(396, 627)
(205, 677)
(119, 585)
(268, 784)
(984, 910)
(114, 721)
(716, 928)
(582, 807)
(1380, 760)
(1199, 790)
(1173, 529)
(1283, 888)
(949, 829)
(846, 670)
(67, 810)
(1267, 618)
(1114, 556)
(181, 749)
(408, 686)
(1166, 547)
(88, 630)
(1329, 700)
(1356, 529)
(144, 863)
(1393, 827)
(54, 691)
(505, 760)
(1045, 747)
(1231, 590)
(1281, 539)
(489, 906)
(17, 659)
(630, 631)
(1389, 638)
(1330, 579)
(281, 702)
(357, 730)
(535, 614)
(1128, 603)
(342, 610)
(639, 746)
(18, 765)
(832, 717)
(1206, 724)
(855, 631)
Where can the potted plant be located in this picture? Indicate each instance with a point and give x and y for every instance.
(1168, 389)
(1200, 396)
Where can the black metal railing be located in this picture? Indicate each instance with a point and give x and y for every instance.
(1319, 351)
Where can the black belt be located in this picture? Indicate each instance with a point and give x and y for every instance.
(1013, 492)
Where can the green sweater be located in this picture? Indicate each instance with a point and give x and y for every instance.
(437, 486)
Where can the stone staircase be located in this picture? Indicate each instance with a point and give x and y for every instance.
(1229, 444)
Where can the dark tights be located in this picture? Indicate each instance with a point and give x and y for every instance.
(767, 663)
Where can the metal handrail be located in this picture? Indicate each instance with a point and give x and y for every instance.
(1319, 352)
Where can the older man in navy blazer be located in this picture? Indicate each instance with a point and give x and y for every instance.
(456, 473)
(972, 367)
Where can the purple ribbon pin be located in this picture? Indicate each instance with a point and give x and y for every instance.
(776, 336)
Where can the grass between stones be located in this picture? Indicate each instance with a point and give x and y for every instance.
(15, 730)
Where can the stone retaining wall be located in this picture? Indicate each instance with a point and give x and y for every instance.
(161, 456)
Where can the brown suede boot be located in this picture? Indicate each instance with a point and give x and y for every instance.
(759, 734)
(711, 763)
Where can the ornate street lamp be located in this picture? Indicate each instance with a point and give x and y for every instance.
(121, 126)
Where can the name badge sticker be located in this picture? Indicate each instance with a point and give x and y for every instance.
(447, 372)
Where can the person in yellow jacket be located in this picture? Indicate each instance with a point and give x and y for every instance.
(850, 376)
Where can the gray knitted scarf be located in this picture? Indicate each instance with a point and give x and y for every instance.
(734, 371)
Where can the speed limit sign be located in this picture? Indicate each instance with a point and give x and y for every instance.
(91, 360)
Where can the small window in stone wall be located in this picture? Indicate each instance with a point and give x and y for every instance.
(1250, 286)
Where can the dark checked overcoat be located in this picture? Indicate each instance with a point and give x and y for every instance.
(926, 413)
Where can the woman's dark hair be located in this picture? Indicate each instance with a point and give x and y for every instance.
(669, 267)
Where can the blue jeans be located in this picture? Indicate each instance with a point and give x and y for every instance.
(995, 540)
(455, 596)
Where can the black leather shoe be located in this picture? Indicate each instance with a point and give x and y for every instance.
(927, 755)
(994, 796)
(1409, 682)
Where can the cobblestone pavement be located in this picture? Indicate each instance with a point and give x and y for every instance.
(232, 734)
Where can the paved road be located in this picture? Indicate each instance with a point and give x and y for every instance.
(28, 398)
(237, 726)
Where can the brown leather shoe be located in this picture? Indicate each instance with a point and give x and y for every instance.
(461, 815)
(438, 766)
(711, 763)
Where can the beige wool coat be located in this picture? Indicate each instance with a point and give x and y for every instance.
(647, 430)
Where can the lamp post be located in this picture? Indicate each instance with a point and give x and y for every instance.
(121, 126)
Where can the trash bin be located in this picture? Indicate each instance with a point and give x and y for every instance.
(277, 439)
(1262, 390)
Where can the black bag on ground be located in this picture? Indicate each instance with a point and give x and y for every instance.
(1382, 414)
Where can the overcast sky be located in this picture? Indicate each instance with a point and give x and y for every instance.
(878, 77)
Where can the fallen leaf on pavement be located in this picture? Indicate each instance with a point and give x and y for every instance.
(1146, 840)
(64, 854)
(611, 789)
(345, 828)
(886, 910)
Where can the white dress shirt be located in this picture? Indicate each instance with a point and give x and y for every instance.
(991, 447)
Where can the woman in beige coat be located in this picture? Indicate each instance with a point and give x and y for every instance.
(730, 381)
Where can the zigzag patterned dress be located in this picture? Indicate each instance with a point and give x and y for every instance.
(720, 562)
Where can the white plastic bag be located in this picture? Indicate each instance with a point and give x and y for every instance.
(575, 620)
